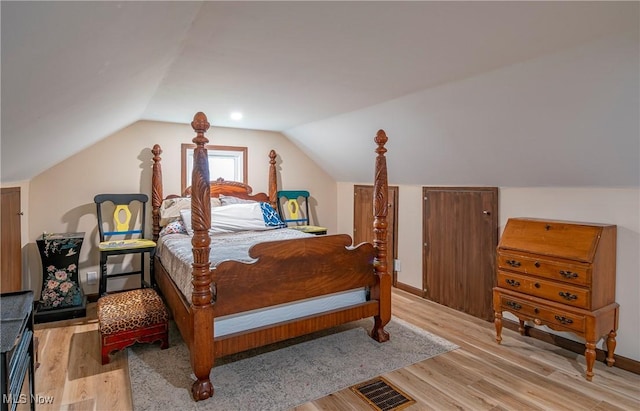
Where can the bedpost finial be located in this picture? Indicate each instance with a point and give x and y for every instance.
(200, 123)
(156, 151)
(381, 139)
(272, 156)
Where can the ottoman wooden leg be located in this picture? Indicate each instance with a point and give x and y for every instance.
(105, 355)
(165, 342)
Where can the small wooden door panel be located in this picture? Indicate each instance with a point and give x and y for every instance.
(460, 236)
(10, 242)
(363, 221)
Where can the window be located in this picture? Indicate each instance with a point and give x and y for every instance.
(229, 163)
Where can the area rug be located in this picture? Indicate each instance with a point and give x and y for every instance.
(280, 376)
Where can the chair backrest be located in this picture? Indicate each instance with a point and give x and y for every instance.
(123, 223)
(289, 207)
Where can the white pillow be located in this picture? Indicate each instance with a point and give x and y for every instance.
(227, 200)
(170, 209)
(237, 217)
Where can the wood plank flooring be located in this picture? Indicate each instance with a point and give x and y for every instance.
(521, 374)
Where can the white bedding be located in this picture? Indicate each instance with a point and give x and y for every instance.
(175, 252)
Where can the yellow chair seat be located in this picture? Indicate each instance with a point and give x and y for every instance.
(312, 229)
(126, 244)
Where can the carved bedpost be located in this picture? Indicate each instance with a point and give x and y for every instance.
(380, 210)
(273, 180)
(156, 190)
(201, 353)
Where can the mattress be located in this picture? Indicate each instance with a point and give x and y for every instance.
(175, 252)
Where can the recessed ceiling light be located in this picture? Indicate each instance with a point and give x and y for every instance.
(236, 115)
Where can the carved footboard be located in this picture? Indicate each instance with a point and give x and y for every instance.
(287, 271)
(292, 270)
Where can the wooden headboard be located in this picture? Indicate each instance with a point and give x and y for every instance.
(231, 188)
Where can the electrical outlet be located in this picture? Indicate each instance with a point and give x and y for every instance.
(396, 265)
(92, 277)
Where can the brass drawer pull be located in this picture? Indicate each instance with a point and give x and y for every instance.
(568, 296)
(568, 274)
(512, 283)
(513, 263)
(564, 320)
(513, 305)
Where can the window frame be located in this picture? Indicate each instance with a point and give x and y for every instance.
(239, 154)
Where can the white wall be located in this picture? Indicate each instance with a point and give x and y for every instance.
(568, 119)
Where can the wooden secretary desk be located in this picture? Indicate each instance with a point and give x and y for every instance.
(560, 274)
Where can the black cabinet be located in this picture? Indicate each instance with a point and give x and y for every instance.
(62, 297)
(16, 336)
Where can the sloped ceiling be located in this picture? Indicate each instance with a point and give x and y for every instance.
(434, 75)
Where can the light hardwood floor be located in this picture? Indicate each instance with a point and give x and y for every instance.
(521, 374)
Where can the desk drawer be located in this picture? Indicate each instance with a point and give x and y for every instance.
(578, 274)
(541, 314)
(549, 290)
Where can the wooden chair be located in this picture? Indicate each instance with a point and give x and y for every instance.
(292, 214)
(125, 237)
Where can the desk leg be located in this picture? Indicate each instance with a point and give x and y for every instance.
(521, 327)
(611, 347)
(590, 355)
(498, 324)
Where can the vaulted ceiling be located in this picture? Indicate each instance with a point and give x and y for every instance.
(489, 93)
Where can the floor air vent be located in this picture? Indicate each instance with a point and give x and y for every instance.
(382, 395)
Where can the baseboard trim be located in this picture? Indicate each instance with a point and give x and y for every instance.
(410, 289)
(624, 363)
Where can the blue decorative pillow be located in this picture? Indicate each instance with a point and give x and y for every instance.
(271, 216)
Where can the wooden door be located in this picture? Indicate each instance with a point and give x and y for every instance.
(460, 236)
(363, 221)
(10, 240)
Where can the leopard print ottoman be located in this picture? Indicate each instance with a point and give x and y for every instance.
(129, 317)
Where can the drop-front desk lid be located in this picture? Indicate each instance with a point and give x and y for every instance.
(554, 238)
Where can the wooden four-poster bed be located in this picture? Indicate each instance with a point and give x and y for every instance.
(280, 272)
